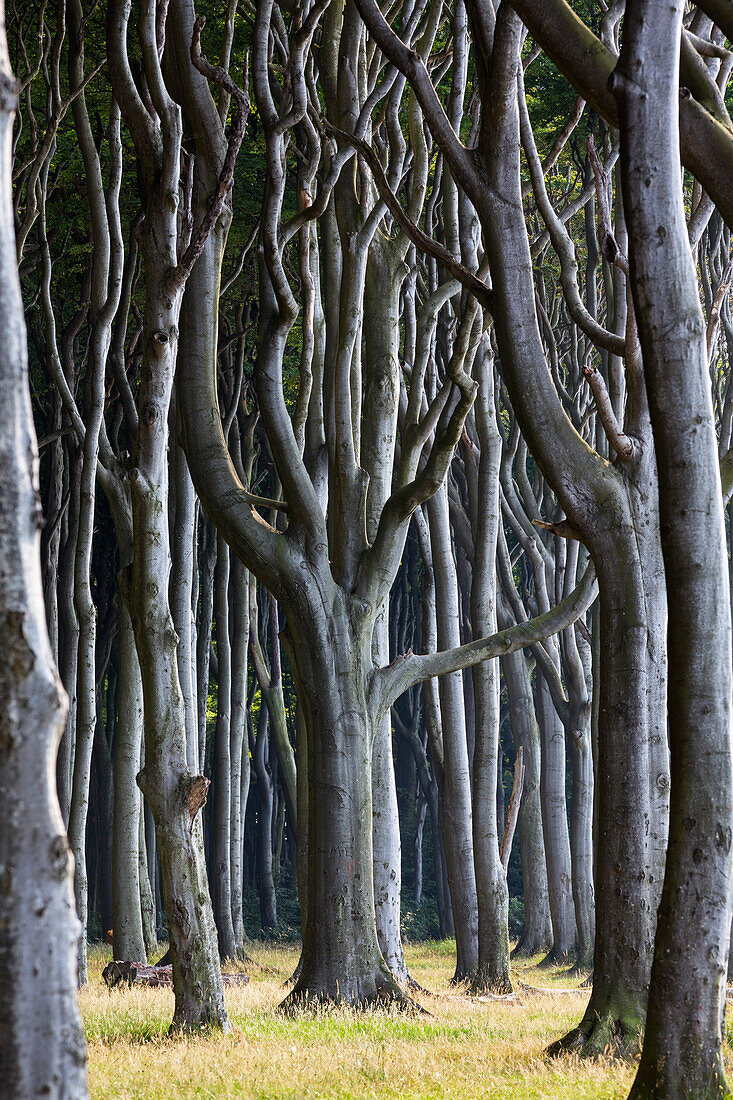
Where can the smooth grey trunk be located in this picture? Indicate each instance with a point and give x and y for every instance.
(106, 285)
(207, 563)
(221, 885)
(341, 958)
(455, 790)
(239, 619)
(54, 509)
(682, 1053)
(183, 560)
(174, 794)
(555, 828)
(384, 277)
(265, 800)
(492, 971)
(386, 841)
(418, 848)
(147, 900)
(581, 810)
(43, 1042)
(68, 633)
(127, 921)
(537, 924)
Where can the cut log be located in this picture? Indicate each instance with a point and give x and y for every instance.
(139, 973)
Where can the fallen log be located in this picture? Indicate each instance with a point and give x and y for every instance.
(139, 973)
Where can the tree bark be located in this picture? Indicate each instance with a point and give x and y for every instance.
(43, 1043)
(222, 887)
(491, 886)
(127, 921)
(682, 1045)
(537, 924)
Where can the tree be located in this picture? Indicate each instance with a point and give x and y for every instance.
(682, 1042)
(43, 1043)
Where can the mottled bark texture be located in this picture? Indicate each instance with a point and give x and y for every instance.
(174, 794)
(682, 1054)
(43, 1049)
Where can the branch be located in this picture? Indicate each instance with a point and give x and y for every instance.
(513, 812)
(226, 175)
(712, 327)
(411, 668)
(626, 447)
(562, 529)
(706, 144)
(421, 240)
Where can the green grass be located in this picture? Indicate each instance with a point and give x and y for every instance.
(461, 1048)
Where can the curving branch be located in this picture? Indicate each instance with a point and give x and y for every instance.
(226, 175)
(412, 668)
(626, 447)
(420, 239)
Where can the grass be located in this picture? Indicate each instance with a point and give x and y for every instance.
(463, 1049)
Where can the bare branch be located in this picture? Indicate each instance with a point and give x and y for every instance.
(513, 812)
(419, 239)
(411, 668)
(626, 447)
(226, 175)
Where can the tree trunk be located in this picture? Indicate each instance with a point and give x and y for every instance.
(222, 891)
(174, 795)
(537, 925)
(682, 1053)
(386, 841)
(183, 559)
(581, 810)
(455, 794)
(555, 826)
(330, 652)
(43, 1043)
(147, 900)
(239, 616)
(491, 887)
(127, 921)
(68, 634)
(265, 793)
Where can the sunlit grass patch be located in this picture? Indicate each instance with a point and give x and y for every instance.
(460, 1049)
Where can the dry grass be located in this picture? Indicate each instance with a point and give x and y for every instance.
(463, 1049)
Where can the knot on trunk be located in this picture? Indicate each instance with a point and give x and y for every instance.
(194, 789)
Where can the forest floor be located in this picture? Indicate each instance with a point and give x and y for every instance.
(465, 1048)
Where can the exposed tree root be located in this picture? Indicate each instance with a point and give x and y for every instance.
(611, 1033)
(388, 993)
(305, 1001)
(483, 985)
(527, 948)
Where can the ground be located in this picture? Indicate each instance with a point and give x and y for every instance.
(464, 1049)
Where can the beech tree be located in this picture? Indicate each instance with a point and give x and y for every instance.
(370, 406)
(43, 1043)
(682, 1050)
(349, 552)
